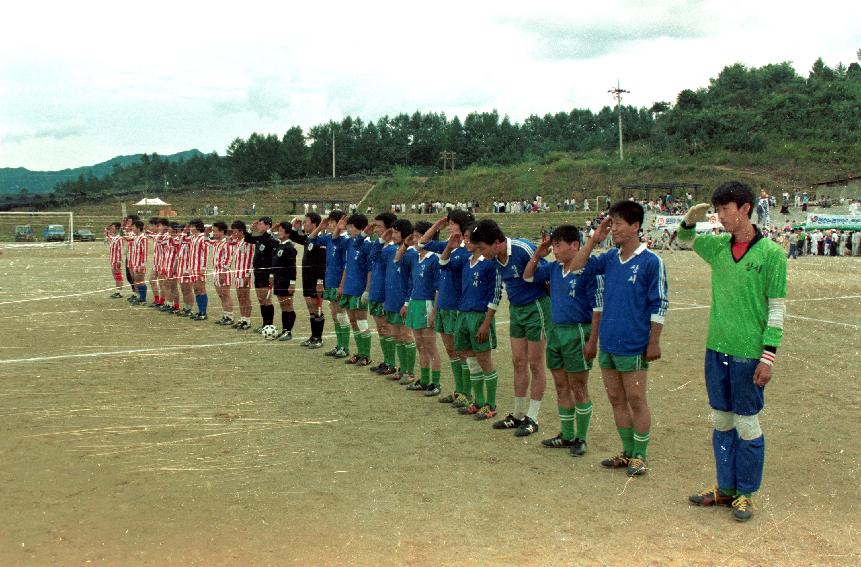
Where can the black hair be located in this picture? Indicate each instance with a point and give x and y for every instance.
(138, 224)
(387, 218)
(463, 219)
(198, 224)
(133, 217)
(358, 220)
(314, 218)
(175, 226)
(164, 221)
(116, 225)
(239, 225)
(734, 192)
(266, 220)
(403, 226)
(336, 215)
(153, 220)
(565, 233)
(286, 226)
(422, 227)
(220, 225)
(630, 211)
(487, 232)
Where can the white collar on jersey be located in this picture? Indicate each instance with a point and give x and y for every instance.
(640, 249)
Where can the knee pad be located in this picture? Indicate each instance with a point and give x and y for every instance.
(723, 420)
(474, 366)
(343, 319)
(748, 426)
(362, 324)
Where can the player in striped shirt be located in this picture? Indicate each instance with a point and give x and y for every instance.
(138, 258)
(183, 268)
(198, 258)
(748, 276)
(115, 255)
(125, 231)
(222, 258)
(243, 252)
(162, 264)
(153, 232)
(635, 303)
(171, 276)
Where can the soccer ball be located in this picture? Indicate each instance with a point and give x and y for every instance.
(269, 332)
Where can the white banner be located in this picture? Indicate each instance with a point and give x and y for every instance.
(668, 221)
(833, 221)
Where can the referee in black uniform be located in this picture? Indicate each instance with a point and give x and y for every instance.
(264, 248)
(313, 272)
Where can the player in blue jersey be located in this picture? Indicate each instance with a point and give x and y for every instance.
(475, 332)
(397, 290)
(576, 304)
(420, 309)
(635, 303)
(335, 260)
(457, 222)
(377, 293)
(353, 290)
(529, 310)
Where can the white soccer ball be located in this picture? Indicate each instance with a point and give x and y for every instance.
(269, 332)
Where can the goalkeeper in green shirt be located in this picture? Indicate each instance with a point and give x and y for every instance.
(745, 330)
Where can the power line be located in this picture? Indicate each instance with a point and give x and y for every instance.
(617, 92)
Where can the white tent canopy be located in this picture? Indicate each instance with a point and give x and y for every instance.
(155, 202)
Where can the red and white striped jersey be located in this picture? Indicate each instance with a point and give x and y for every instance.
(157, 248)
(171, 248)
(163, 244)
(139, 251)
(129, 238)
(115, 247)
(199, 254)
(222, 255)
(183, 243)
(243, 253)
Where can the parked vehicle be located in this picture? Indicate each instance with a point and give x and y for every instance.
(23, 233)
(54, 233)
(84, 235)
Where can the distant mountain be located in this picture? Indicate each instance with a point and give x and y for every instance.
(13, 179)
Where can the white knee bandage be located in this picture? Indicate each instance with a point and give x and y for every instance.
(748, 426)
(722, 420)
(362, 324)
(474, 366)
(343, 319)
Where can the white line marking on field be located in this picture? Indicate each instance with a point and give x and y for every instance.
(823, 321)
(129, 351)
(59, 296)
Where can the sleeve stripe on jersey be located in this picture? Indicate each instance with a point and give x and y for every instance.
(523, 246)
(662, 288)
(599, 293)
(497, 292)
(776, 312)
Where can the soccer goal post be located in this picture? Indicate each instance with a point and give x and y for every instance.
(37, 229)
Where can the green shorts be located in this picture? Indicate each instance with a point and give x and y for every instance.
(530, 321)
(445, 321)
(353, 302)
(376, 308)
(565, 347)
(394, 318)
(417, 313)
(330, 294)
(623, 363)
(465, 331)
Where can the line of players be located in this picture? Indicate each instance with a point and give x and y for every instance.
(416, 286)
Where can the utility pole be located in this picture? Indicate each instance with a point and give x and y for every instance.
(447, 161)
(617, 92)
(333, 151)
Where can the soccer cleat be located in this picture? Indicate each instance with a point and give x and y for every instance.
(417, 385)
(406, 379)
(379, 368)
(527, 427)
(285, 336)
(711, 497)
(449, 399)
(315, 344)
(363, 361)
(353, 359)
(460, 401)
(243, 326)
(389, 371)
(616, 462)
(198, 317)
(167, 308)
(332, 352)
(116, 295)
(636, 466)
(175, 311)
(223, 321)
(557, 442)
(259, 330)
(132, 298)
(432, 390)
(154, 305)
(578, 448)
(486, 412)
(510, 422)
(341, 353)
(307, 341)
(742, 508)
(396, 376)
(471, 409)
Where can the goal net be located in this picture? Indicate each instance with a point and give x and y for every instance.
(42, 229)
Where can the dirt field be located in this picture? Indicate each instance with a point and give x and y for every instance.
(131, 437)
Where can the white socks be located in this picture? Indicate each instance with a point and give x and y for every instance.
(520, 405)
(534, 406)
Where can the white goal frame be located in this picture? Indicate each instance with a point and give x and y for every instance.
(71, 230)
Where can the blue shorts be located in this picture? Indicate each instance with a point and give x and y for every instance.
(729, 382)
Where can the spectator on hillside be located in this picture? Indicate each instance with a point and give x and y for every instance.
(762, 210)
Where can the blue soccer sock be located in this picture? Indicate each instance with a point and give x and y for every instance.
(202, 302)
(724, 446)
(142, 292)
(749, 462)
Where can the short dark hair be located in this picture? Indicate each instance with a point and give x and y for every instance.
(358, 220)
(175, 226)
(117, 225)
(403, 226)
(565, 233)
(153, 220)
(630, 211)
(164, 221)
(336, 215)
(422, 227)
(266, 220)
(132, 217)
(220, 225)
(239, 225)
(486, 231)
(387, 218)
(198, 224)
(461, 218)
(734, 192)
(286, 226)
(314, 218)
(138, 224)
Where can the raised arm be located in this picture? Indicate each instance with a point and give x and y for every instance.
(586, 250)
(541, 252)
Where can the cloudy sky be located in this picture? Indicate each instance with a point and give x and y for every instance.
(79, 85)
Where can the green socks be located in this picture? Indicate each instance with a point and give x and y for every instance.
(410, 355)
(425, 376)
(627, 435)
(436, 375)
(465, 380)
(477, 388)
(584, 416)
(641, 441)
(365, 337)
(491, 379)
(400, 348)
(388, 346)
(566, 418)
(455, 371)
